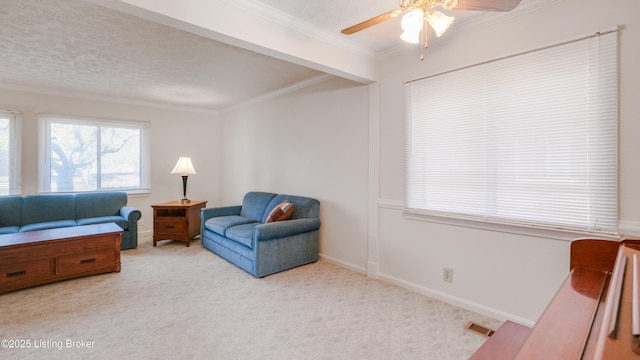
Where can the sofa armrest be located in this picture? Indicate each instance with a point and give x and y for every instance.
(208, 213)
(131, 214)
(280, 229)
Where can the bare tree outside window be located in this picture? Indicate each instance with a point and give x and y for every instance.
(89, 157)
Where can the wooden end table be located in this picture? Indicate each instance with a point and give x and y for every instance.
(177, 220)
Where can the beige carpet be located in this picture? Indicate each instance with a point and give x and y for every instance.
(174, 302)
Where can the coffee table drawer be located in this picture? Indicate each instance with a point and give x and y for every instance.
(25, 271)
(85, 262)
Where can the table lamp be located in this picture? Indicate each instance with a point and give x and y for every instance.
(184, 168)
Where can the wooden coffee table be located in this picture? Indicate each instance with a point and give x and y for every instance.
(40, 257)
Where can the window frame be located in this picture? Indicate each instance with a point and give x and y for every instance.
(484, 221)
(44, 175)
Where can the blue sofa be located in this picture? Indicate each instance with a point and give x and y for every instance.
(242, 235)
(49, 211)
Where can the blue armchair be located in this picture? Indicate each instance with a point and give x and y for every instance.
(241, 234)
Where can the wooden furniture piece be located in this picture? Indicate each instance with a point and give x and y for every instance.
(44, 256)
(504, 343)
(177, 220)
(594, 315)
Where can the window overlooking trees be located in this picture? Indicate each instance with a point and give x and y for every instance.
(9, 139)
(91, 155)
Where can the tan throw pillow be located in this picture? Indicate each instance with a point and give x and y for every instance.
(281, 212)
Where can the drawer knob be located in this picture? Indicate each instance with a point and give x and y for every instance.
(170, 227)
(87, 261)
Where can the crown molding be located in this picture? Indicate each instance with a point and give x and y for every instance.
(274, 94)
(106, 98)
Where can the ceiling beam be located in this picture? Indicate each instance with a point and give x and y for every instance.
(225, 21)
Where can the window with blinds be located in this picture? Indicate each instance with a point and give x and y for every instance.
(529, 139)
(9, 153)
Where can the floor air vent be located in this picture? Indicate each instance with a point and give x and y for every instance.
(479, 329)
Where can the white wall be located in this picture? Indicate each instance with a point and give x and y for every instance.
(498, 273)
(312, 142)
(173, 133)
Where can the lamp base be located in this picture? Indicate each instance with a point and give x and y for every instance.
(184, 201)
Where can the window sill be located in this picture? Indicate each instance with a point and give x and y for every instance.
(532, 231)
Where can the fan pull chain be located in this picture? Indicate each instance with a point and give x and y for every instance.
(423, 34)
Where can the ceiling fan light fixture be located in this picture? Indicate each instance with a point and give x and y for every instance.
(411, 37)
(439, 22)
(412, 23)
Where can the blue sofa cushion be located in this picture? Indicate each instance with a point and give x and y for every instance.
(95, 205)
(48, 225)
(254, 205)
(11, 210)
(121, 221)
(48, 207)
(243, 234)
(9, 229)
(209, 238)
(220, 224)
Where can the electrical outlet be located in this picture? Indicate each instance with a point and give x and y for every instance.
(141, 222)
(447, 275)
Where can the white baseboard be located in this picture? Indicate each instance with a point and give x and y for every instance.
(358, 269)
(449, 299)
(145, 236)
(456, 301)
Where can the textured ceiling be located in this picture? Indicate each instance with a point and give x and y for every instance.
(72, 45)
(81, 47)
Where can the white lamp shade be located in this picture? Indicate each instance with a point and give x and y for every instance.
(184, 167)
(412, 23)
(411, 37)
(439, 22)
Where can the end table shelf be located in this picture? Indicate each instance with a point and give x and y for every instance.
(176, 220)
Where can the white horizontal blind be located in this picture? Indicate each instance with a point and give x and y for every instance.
(10, 146)
(528, 140)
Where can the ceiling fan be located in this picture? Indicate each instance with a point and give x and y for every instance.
(418, 12)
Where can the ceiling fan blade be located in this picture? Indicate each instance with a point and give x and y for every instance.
(369, 23)
(487, 5)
